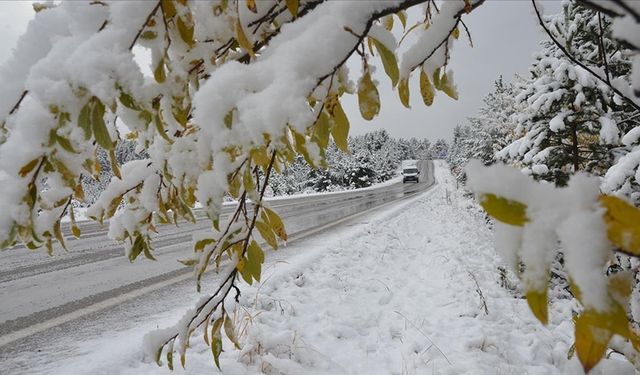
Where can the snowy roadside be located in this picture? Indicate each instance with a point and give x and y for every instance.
(403, 293)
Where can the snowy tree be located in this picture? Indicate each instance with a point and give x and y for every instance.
(440, 149)
(487, 133)
(535, 219)
(569, 120)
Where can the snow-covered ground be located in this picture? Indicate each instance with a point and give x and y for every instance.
(410, 289)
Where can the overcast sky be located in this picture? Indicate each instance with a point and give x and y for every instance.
(505, 34)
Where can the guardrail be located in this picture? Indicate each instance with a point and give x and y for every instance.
(300, 213)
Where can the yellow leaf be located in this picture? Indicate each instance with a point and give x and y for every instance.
(168, 8)
(538, 304)
(267, 234)
(251, 5)
(28, 167)
(504, 210)
(448, 87)
(340, 128)
(389, 62)
(275, 222)
(456, 33)
(368, 97)
(76, 231)
(623, 224)
(426, 90)
(293, 5)
(591, 341)
(242, 39)
(403, 91)
(321, 130)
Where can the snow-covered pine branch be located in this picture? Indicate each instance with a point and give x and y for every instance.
(239, 88)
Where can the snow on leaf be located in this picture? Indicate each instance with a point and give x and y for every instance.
(368, 97)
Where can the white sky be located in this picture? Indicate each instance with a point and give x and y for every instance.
(505, 33)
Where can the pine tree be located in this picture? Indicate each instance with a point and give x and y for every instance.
(569, 118)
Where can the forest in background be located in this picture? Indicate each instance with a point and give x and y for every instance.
(373, 158)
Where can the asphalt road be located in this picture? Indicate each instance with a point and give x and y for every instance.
(39, 292)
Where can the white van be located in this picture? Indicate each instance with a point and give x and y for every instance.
(410, 171)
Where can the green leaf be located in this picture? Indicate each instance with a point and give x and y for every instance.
(99, 127)
(216, 341)
(149, 35)
(137, 248)
(228, 119)
(128, 101)
(84, 120)
(436, 79)
(200, 245)
(65, 143)
(160, 129)
(58, 233)
(504, 210)
(170, 356)
(185, 29)
(389, 61)
(159, 73)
